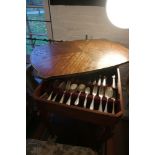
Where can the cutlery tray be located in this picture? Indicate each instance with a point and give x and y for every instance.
(80, 111)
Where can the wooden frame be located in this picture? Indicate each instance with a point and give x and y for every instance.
(92, 116)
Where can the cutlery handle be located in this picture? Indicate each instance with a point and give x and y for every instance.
(100, 106)
(104, 81)
(106, 106)
(54, 98)
(77, 100)
(113, 82)
(49, 98)
(69, 100)
(62, 98)
(85, 101)
(113, 108)
(92, 104)
(99, 82)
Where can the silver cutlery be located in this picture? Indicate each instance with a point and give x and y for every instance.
(94, 82)
(61, 85)
(113, 82)
(101, 94)
(87, 92)
(66, 89)
(80, 88)
(94, 94)
(99, 81)
(49, 98)
(114, 93)
(108, 94)
(73, 87)
(104, 81)
(44, 95)
(113, 98)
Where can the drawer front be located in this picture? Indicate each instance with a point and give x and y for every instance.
(95, 97)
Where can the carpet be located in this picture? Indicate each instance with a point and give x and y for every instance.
(37, 147)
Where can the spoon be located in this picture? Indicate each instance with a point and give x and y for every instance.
(72, 89)
(80, 88)
(87, 91)
(108, 94)
(101, 93)
(66, 89)
(94, 94)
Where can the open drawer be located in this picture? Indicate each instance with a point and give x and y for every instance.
(94, 97)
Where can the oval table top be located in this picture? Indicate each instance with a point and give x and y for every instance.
(72, 57)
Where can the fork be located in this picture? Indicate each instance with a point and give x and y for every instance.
(108, 94)
(49, 98)
(94, 94)
(66, 89)
(61, 85)
(101, 93)
(113, 98)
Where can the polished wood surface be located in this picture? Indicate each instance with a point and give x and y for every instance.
(73, 57)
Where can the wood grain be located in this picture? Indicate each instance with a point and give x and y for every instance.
(72, 57)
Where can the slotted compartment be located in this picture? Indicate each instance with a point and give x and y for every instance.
(42, 93)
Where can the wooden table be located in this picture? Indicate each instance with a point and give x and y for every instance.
(74, 57)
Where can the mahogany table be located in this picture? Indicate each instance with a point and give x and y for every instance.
(74, 57)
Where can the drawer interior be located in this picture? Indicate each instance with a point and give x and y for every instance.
(97, 92)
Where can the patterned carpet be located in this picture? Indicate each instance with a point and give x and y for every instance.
(37, 147)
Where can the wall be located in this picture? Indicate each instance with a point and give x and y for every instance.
(74, 22)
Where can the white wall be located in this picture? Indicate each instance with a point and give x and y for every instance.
(74, 22)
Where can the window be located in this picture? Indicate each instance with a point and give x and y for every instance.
(38, 24)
